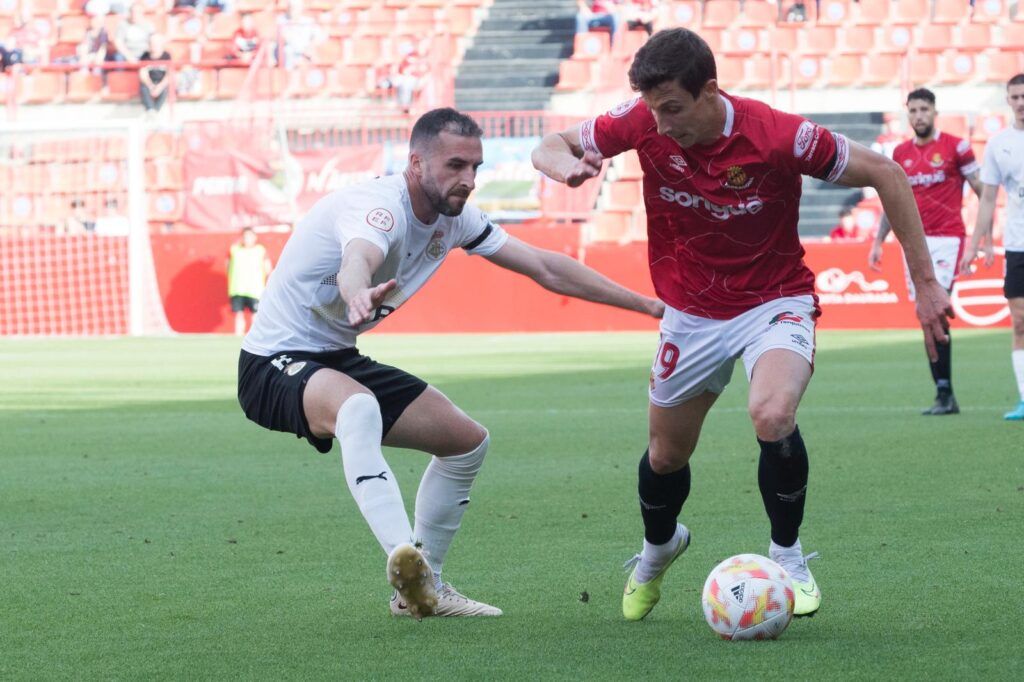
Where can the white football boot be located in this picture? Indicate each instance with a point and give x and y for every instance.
(410, 574)
(449, 603)
(806, 593)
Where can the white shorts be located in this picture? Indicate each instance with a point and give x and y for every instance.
(697, 354)
(946, 253)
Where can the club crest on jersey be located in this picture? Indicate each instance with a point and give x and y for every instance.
(381, 219)
(678, 163)
(436, 248)
(736, 178)
(623, 108)
(907, 163)
(937, 160)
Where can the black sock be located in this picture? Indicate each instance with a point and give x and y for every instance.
(782, 477)
(942, 369)
(661, 500)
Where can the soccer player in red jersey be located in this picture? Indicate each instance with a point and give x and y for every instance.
(937, 164)
(722, 181)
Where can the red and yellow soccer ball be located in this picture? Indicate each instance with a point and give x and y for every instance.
(748, 597)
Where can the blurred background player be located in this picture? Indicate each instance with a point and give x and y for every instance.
(359, 254)
(722, 184)
(847, 230)
(248, 269)
(1004, 165)
(937, 165)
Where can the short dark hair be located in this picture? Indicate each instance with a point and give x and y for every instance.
(436, 121)
(1016, 80)
(922, 93)
(845, 211)
(674, 54)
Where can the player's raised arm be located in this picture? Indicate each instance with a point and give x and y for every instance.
(360, 260)
(869, 169)
(560, 156)
(558, 273)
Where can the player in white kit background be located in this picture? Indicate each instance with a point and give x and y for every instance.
(359, 254)
(1004, 165)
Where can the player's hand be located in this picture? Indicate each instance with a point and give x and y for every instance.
(988, 249)
(967, 262)
(875, 257)
(654, 307)
(362, 306)
(934, 312)
(584, 169)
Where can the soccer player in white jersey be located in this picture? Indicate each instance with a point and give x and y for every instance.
(359, 254)
(1004, 165)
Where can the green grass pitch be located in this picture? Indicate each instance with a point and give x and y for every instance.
(150, 532)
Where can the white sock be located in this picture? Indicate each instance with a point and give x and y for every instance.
(1018, 369)
(369, 477)
(779, 549)
(442, 500)
(654, 558)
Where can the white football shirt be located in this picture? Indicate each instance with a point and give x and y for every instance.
(302, 309)
(1004, 165)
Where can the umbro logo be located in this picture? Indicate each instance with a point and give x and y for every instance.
(678, 163)
(381, 476)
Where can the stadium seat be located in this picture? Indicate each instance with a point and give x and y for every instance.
(229, 82)
(377, 21)
(418, 18)
(713, 37)
(744, 42)
(184, 27)
(458, 20)
(844, 70)
(973, 37)
(954, 124)
(574, 74)
(347, 81)
(858, 40)
(758, 14)
(894, 40)
(818, 40)
(629, 42)
(216, 51)
(720, 13)
(196, 84)
(1001, 65)
(730, 72)
(881, 69)
(990, 12)
(950, 12)
(909, 12)
(630, 168)
(40, 87)
(164, 173)
(591, 45)
(222, 26)
(686, 14)
(806, 70)
(784, 37)
(923, 68)
(161, 144)
(72, 28)
(759, 73)
(872, 12)
(166, 206)
(1010, 37)
(933, 37)
(83, 86)
(363, 50)
(328, 52)
(625, 194)
(611, 225)
(833, 12)
(955, 67)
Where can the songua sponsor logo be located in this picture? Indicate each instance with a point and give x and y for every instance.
(836, 286)
(716, 211)
(927, 179)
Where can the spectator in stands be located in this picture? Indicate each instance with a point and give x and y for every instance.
(101, 8)
(113, 223)
(248, 268)
(595, 15)
(407, 79)
(25, 44)
(79, 222)
(131, 40)
(200, 6)
(299, 33)
(797, 11)
(153, 80)
(246, 41)
(92, 51)
(640, 14)
(847, 230)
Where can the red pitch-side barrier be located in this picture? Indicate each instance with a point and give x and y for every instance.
(471, 295)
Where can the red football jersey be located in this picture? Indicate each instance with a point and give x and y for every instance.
(937, 171)
(722, 218)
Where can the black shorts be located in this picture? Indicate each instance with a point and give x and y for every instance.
(240, 303)
(270, 388)
(1013, 285)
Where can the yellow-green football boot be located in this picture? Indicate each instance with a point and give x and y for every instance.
(639, 598)
(806, 593)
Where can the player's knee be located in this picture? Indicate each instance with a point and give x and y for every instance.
(469, 437)
(330, 411)
(667, 457)
(773, 419)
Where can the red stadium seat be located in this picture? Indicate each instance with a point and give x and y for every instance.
(611, 225)
(201, 84)
(744, 41)
(166, 206)
(760, 72)
(686, 14)
(991, 12)
(833, 12)
(954, 124)
(458, 20)
(956, 67)
(758, 14)
(161, 144)
(819, 40)
(973, 38)
(894, 40)
(378, 21)
(713, 37)
(417, 18)
(328, 52)
(844, 70)
(83, 86)
(574, 74)
(987, 125)
(222, 26)
(720, 13)
(591, 45)
(923, 68)
(1001, 66)
(41, 87)
(229, 82)
(184, 27)
(872, 12)
(784, 37)
(934, 37)
(72, 28)
(625, 194)
(730, 71)
(347, 81)
(1011, 37)
(950, 11)
(858, 40)
(363, 50)
(909, 12)
(881, 69)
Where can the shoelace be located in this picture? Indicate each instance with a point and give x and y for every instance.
(449, 591)
(796, 565)
(630, 563)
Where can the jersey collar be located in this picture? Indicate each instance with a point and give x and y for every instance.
(730, 116)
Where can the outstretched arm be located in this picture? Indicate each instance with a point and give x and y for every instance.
(360, 260)
(982, 236)
(868, 169)
(560, 156)
(563, 275)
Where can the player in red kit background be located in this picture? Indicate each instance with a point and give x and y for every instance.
(721, 185)
(937, 164)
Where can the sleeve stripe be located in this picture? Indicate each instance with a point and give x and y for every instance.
(480, 240)
(969, 168)
(587, 140)
(842, 158)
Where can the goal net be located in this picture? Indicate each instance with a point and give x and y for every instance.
(75, 255)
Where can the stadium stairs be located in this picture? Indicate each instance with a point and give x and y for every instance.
(513, 61)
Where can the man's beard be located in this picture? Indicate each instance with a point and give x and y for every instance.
(441, 204)
(925, 132)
